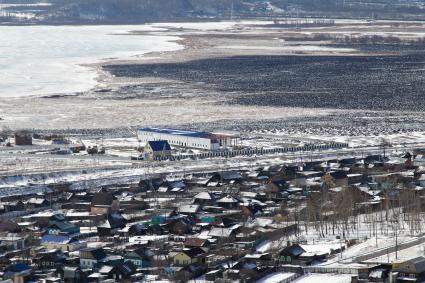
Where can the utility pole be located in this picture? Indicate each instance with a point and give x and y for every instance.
(388, 256)
(396, 243)
(376, 233)
(231, 10)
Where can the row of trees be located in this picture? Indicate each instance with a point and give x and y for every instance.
(351, 214)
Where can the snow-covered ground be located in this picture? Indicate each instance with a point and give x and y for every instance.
(210, 26)
(397, 139)
(276, 277)
(325, 277)
(373, 236)
(292, 48)
(402, 255)
(76, 112)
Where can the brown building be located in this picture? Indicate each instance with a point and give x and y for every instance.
(23, 138)
(104, 203)
(335, 179)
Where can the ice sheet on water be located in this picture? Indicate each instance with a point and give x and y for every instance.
(40, 60)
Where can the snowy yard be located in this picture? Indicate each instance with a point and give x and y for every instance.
(276, 277)
(324, 278)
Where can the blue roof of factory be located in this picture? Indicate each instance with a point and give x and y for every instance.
(177, 132)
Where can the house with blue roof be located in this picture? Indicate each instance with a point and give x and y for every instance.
(64, 243)
(17, 272)
(160, 149)
(62, 228)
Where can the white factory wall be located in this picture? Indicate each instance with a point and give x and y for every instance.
(178, 140)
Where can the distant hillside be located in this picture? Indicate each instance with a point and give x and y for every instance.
(138, 11)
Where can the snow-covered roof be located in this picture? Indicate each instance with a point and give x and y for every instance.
(324, 277)
(220, 232)
(204, 195)
(189, 208)
(275, 277)
(176, 132)
(227, 199)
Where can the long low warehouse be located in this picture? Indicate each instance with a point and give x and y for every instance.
(188, 139)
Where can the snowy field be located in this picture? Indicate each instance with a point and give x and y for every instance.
(276, 277)
(325, 278)
(374, 235)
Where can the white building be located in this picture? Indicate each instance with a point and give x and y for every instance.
(188, 139)
(227, 139)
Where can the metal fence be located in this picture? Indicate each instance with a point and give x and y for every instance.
(256, 151)
(324, 269)
(391, 249)
(290, 279)
(19, 213)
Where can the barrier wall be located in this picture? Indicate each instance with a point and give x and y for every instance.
(250, 152)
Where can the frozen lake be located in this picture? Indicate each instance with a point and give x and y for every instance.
(45, 60)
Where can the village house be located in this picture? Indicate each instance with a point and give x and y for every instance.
(9, 226)
(50, 259)
(204, 198)
(33, 203)
(229, 177)
(412, 270)
(197, 243)
(113, 223)
(62, 228)
(288, 172)
(132, 204)
(189, 256)
(157, 149)
(179, 226)
(12, 242)
(103, 203)
(223, 234)
(275, 187)
(375, 273)
(291, 253)
(228, 202)
(258, 258)
(140, 257)
(18, 272)
(335, 179)
(121, 272)
(72, 274)
(91, 257)
(64, 243)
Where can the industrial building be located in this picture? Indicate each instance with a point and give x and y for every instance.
(188, 139)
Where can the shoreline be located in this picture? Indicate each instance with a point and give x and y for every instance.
(67, 68)
(211, 19)
(156, 100)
